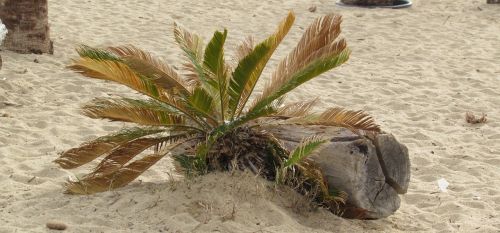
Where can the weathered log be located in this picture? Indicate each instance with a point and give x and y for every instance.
(371, 175)
(28, 26)
(492, 1)
(372, 171)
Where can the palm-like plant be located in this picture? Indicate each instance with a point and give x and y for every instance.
(210, 108)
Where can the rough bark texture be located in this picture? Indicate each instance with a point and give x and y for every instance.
(372, 176)
(369, 2)
(27, 22)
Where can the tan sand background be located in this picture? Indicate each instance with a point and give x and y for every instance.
(417, 71)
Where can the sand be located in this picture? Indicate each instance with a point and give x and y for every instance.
(417, 71)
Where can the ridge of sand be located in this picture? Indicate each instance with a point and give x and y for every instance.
(416, 70)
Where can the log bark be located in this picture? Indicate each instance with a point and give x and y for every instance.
(28, 26)
(372, 171)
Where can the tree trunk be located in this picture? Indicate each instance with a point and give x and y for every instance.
(373, 176)
(28, 26)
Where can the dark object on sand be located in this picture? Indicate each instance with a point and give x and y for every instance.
(376, 3)
(492, 1)
(471, 118)
(56, 226)
(28, 26)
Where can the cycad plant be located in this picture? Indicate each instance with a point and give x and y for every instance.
(209, 110)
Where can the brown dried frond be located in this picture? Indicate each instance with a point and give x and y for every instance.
(91, 150)
(471, 118)
(245, 48)
(119, 177)
(353, 120)
(192, 45)
(120, 156)
(140, 112)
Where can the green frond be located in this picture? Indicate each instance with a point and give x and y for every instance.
(303, 150)
(189, 165)
(216, 71)
(96, 54)
(151, 67)
(203, 104)
(119, 177)
(91, 150)
(144, 112)
(268, 110)
(250, 68)
(241, 76)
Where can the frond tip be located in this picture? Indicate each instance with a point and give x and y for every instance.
(302, 151)
(355, 120)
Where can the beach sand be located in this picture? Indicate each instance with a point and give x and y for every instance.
(416, 70)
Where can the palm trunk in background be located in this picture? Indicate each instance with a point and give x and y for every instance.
(28, 25)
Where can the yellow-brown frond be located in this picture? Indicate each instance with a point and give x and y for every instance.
(145, 64)
(353, 120)
(318, 41)
(140, 112)
(118, 72)
(89, 151)
(297, 109)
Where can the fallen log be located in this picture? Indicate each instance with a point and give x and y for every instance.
(372, 171)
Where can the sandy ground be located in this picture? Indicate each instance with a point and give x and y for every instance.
(417, 71)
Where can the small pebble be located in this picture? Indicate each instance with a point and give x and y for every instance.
(56, 226)
(312, 9)
(36, 61)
